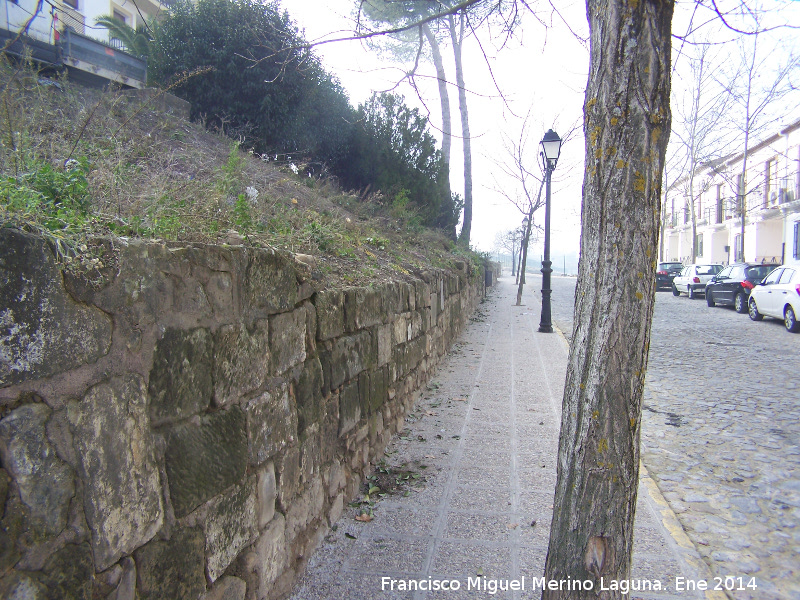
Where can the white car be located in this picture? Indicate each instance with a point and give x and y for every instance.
(778, 295)
(693, 279)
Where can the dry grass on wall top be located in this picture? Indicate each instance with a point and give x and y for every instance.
(77, 163)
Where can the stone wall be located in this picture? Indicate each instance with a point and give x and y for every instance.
(188, 421)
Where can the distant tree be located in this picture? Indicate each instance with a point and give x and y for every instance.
(450, 23)
(758, 83)
(697, 122)
(264, 86)
(391, 150)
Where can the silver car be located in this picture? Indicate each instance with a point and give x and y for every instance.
(693, 279)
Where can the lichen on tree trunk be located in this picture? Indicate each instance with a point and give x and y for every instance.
(626, 124)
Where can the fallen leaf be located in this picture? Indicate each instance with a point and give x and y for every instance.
(480, 571)
(364, 517)
(513, 525)
(350, 535)
(373, 489)
(430, 413)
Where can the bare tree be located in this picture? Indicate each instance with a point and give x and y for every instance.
(757, 85)
(525, 192)
(508, 241)
(699, 117)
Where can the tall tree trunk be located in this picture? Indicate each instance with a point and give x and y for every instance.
(524, 260)
(514, 255)
(444, 97)
(627, 125)
(458, 40)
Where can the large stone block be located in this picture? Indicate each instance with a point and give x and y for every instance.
(349, 407)
(202, 460)
(226, 588)
(271, 424)
(384, 339)
(378, 386)
(172, 568)
(270, 282)
(329, 431)
(181, 378)
(42, 330)
(116, 461)
(45, 483)
(288, 471)
(241, 360)
(11, 524)
(287, 339)
(330, 314)
(351, 355)
(363, 308)
(21, 586)
(231, 524)
(309, 395)
(267, 493)
(69, 573)
(268, 557)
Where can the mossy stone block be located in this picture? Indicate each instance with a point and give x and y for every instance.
(181, 378)
(203, 460)
(172, 568)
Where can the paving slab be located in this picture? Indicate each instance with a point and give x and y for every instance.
(475, 473)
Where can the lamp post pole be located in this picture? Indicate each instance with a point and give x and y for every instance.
(545, 324)
(551, 149)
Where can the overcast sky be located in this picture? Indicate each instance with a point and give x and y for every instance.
(542, 70)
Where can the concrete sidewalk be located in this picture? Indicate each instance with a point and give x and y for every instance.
(476, 469)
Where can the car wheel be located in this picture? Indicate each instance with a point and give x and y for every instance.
(690, 291)
(790, 320)
(753, 310)
(740, 304)
(675, 291)
(709, 299)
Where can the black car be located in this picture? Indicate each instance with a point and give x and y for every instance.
(732, 285)
(665, 273)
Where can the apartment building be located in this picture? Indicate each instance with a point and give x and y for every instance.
(766, 197)
(63, 33)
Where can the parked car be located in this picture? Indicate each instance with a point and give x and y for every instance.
(666, 272)
(693, 279)
(778, 296)
(732, 285)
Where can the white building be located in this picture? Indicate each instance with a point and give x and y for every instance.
(771, 193)
(64, 33)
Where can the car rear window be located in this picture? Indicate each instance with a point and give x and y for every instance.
(758, 273)
(670, 266)
(708, 269)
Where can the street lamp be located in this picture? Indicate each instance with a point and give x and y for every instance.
(551, 150)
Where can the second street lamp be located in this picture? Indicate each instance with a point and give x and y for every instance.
(551, 150)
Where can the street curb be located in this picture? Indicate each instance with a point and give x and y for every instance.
(686, 550)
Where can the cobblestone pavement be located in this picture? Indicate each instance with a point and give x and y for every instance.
(469, 483)
(721, 435)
